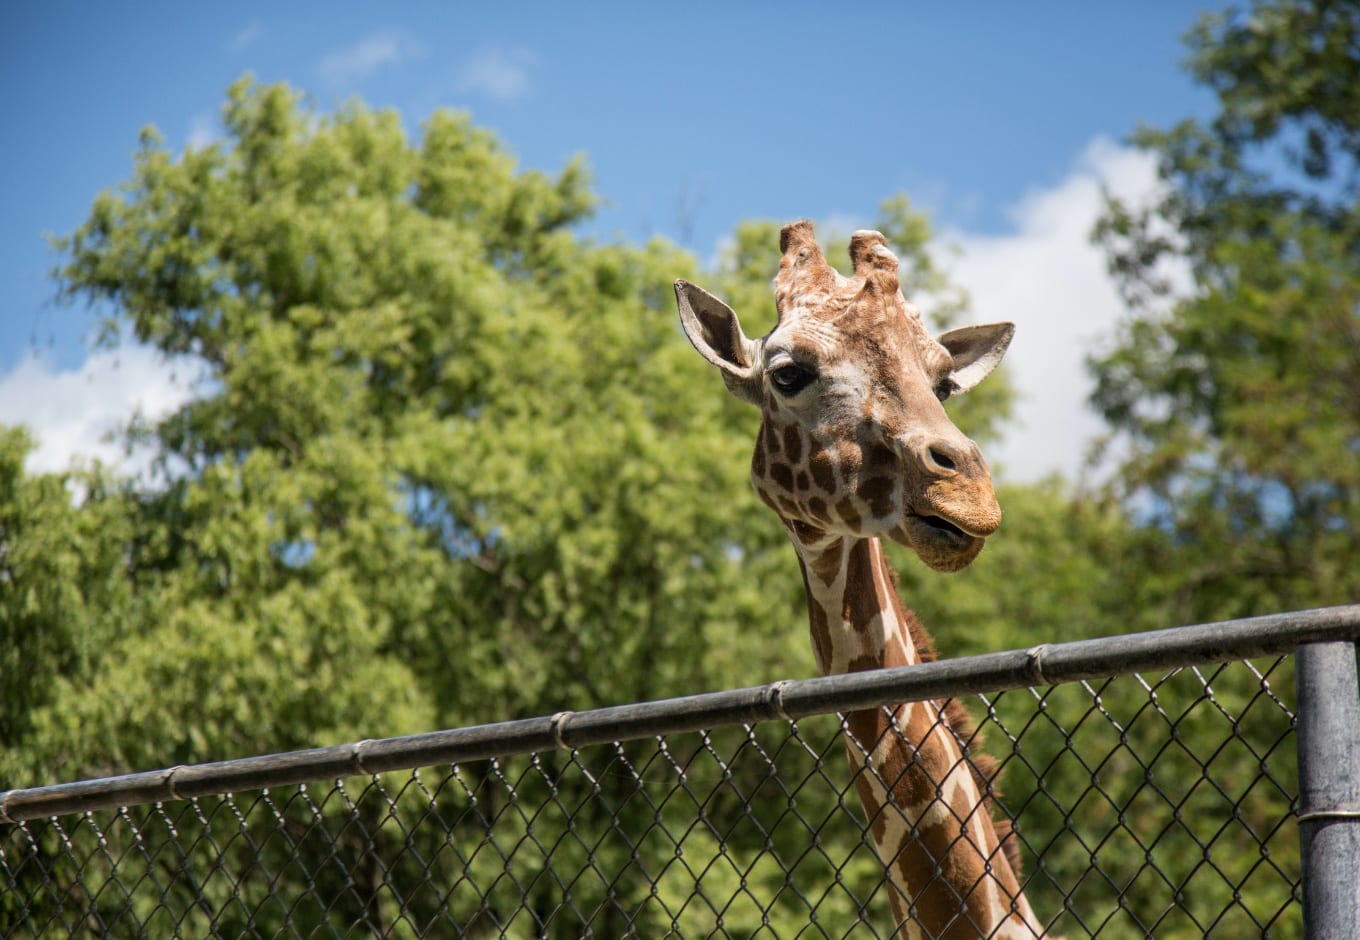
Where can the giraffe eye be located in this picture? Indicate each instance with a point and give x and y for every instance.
(945, 388)
(790, 379)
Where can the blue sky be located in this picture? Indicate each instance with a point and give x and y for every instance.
(1002, 119)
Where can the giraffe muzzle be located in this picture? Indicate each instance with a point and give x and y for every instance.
(938, 542)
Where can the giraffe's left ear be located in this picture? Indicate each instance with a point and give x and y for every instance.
(977, 350)
(712, 327)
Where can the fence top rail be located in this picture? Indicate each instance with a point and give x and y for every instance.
(1044, 665)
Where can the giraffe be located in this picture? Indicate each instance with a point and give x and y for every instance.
(855, 446)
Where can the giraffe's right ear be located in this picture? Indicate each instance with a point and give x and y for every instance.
(713, 329)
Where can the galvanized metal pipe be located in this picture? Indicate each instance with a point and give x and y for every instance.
(1047, 664)
(1329, 788)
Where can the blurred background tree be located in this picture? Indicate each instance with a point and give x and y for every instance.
(447, 464)
(1232, 398)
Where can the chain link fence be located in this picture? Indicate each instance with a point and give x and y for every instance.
(1154, 799)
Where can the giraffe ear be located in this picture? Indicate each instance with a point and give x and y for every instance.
(713, 329)
(977, 350)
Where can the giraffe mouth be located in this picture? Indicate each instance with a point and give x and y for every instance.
(941, 524)
(940, 543)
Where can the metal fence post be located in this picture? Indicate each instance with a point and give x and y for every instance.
(1329, 789)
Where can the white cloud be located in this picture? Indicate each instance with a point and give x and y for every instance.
(840, 225)
(500, 73)
(357, 63)
(1049, 279)
(252, 33)
(74, 413)
(202, 132)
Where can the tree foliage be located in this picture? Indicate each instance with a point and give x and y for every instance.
(449, 462)
(1234, 400)
(445, 466)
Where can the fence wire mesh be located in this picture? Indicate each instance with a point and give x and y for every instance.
(1144, 805)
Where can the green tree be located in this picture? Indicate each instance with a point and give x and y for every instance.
(444, 467)
(1235, 431)
(450, 462)
(1233, 401)
(64, 594)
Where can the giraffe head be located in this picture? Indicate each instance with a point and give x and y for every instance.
(853, 439)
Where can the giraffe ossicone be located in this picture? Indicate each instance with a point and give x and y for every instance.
(855, 446)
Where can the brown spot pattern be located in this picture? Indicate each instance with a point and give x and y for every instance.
(793, 443)
(771, 438)
(823, 471)
(868, 798)
(877, 493)
(782, 475)
(848, 514)
(864, 601)
(879, 459)
(848, 458)
(819, 626)
(817, 509)
(864, 662)
(827, 567)
(940, 863)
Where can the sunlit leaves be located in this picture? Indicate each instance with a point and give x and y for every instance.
(1235, 404)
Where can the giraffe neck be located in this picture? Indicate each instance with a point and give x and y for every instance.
(857, 620)
(932, 828)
